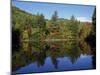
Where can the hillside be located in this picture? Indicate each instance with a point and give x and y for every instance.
(36, 27)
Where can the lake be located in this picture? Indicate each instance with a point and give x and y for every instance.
(51, 56)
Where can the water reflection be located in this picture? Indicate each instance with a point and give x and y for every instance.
(53, 56)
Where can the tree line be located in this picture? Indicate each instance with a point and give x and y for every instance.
(28, 26)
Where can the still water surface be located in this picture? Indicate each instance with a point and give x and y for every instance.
(33, 57)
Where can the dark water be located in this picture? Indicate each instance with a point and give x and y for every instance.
(32, 57)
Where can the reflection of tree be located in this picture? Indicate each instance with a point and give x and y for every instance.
(74, 53)
(38, 51)
(28, 53)
(54, 54)
(55, 62)
(85, 47)
(20, 59)
(88, 49)
(40, 58)
(15, 40)
(61, 49)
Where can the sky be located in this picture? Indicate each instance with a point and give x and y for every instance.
(81, 12)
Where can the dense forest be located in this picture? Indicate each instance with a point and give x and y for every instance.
(37, 28)
(30, 27)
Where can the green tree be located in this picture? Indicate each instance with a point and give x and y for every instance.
(73, 27)
(94, 21)
(40, 21)
(54, 21)
(55, 16)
